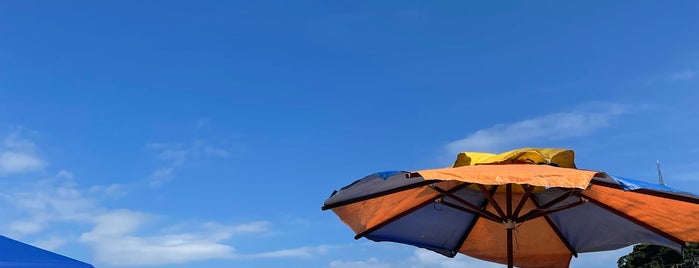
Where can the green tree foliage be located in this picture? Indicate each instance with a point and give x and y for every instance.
(652, 256)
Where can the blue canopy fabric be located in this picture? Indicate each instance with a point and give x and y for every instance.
(17, 254)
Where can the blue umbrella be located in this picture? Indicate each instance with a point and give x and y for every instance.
(17, 254)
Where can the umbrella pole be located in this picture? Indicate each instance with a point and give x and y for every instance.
(510, 258)
(510, 225)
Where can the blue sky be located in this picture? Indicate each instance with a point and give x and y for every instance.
(209, 133)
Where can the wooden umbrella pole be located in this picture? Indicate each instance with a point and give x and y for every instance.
(510, 225)
(510, 258)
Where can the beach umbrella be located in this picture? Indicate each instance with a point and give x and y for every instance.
(17, 254)
(526, 208)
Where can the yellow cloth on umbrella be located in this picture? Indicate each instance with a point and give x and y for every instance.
(550, 156)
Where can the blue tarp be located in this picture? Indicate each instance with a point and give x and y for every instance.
(632, 184)
(17, 254)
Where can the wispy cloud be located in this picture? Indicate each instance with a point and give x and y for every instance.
(18, 155)
(116, 236)
(52, 200)
(549, 127)
(425, 258)
(119, 236)
(301, 252)
(112, 190)
(420, 259)
(599, 259)
(179, 153)
(50, 243)
(56, 211)
(685, 74)
(370, 263)
(160, 176)
(176, 155)
(23, 227)
(114, 241)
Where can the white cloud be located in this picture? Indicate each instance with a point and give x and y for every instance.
(176, 155)
(421, 258)
(115, 241)
(216, 152)
(23, 227)
(55, 211)
(18, 162)
(64, 174)
(53, 200)
(112, 190)
(18, 155)
(51, 243)
(550, 127)
(370, 263)
(599, 259)
(160, 176)
(181, 153)
(114, 233)
(424, 258)
(302, 252)
(684, 75)
(252, 227)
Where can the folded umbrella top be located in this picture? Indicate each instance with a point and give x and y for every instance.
(550, 156)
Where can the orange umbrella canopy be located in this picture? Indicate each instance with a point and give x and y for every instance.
(527, 207)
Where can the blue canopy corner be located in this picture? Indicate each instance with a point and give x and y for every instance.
(17, 254)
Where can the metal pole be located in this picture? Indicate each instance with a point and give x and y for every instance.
(660, 174)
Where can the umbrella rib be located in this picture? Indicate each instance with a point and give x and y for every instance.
(540, 213)
(632, 219)
(682, 198)
(508, 199)
(555, 229)
(557, 200)
(471, 208)
(379, 194)
(492, 201)
(542, 210)
(527, 191)
(493, 218)
(405, 213)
